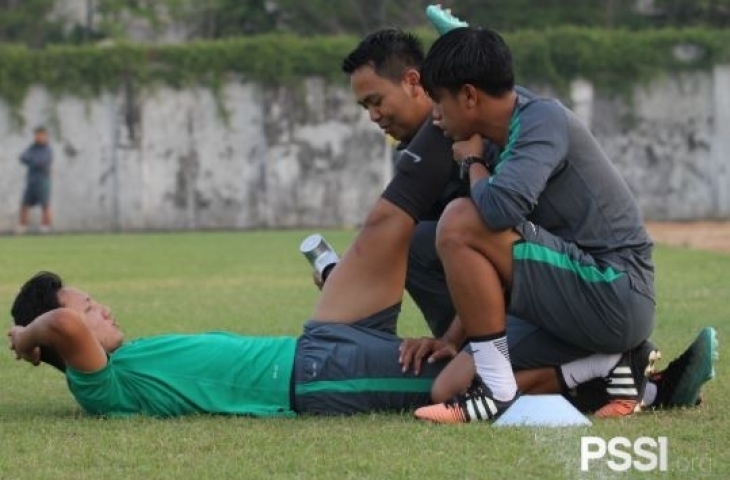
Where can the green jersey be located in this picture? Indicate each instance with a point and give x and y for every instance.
(172, 375)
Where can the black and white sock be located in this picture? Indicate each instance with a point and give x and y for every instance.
(579, 371)
(491, 358)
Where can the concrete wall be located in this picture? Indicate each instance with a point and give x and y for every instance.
(308, 156)
(168, 159)
(672, 142)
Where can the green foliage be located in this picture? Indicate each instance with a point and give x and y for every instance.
(26, 22)
(210, 19)
(225, 18)
(520, 14)
(612, 59)
(715, 13)
(37, 23)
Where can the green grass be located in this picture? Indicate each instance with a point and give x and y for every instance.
(257, 282)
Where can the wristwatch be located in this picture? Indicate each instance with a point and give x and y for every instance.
(466, 163)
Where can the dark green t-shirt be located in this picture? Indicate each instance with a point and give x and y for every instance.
(173, 375)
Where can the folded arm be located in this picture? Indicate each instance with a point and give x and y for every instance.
(39, 159)
(25, 157)
(64, 331)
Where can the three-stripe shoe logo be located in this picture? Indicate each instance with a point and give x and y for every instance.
(479, 408)
(621, 383)
(628, 378)
(626, 383)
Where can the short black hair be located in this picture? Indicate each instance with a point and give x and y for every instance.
(36, 297)
(477, 56)
(390, 52)
(40, 129)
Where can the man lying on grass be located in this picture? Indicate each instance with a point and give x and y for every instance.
(332, 368)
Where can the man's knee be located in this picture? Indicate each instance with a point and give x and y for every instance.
(458, 226)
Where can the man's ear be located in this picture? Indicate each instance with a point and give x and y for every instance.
(470, 94)
(412, 80)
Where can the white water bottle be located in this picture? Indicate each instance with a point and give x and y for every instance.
(320, 254)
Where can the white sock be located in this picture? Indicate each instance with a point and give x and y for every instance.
(579, 371)
(649, 393)
(491, 359)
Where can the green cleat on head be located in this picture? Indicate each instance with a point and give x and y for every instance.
(442, 20)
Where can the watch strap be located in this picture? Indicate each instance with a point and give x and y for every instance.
(467, 162)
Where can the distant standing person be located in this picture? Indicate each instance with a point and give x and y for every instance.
(37, 158)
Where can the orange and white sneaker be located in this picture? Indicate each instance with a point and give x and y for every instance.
(627, 381)
(476, 404)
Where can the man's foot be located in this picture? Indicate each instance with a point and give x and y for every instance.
(442, 20)
(588, 396)
(477, 404)
(19, 229)
(680, 384)
(627, 381)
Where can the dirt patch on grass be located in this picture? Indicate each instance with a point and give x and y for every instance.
(701, 235)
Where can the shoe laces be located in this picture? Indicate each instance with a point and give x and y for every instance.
(477, 403)
(476, 390)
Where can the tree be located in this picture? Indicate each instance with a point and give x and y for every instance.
(715, 13)
(36, 23)
(26, 22)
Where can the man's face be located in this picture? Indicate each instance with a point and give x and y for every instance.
(392, 105)
(454, 113)
(40, 137)
(96, 316)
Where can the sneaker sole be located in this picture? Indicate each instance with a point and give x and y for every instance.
(700, 369)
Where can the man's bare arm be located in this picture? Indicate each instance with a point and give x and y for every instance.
(63, 330)
(371, 275)
(413, 351)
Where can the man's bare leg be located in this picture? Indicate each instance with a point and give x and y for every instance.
(459, 373)
(478, 265)
(371, 274)
(47, 217)
(23, 217)
(22, 225)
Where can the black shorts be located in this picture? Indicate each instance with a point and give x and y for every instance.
(344, 368)
(37, 193)
(561, 289)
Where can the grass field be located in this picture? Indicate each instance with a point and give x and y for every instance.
(258, 283)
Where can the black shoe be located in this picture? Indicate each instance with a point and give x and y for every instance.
(588, 396)
(680, 384)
